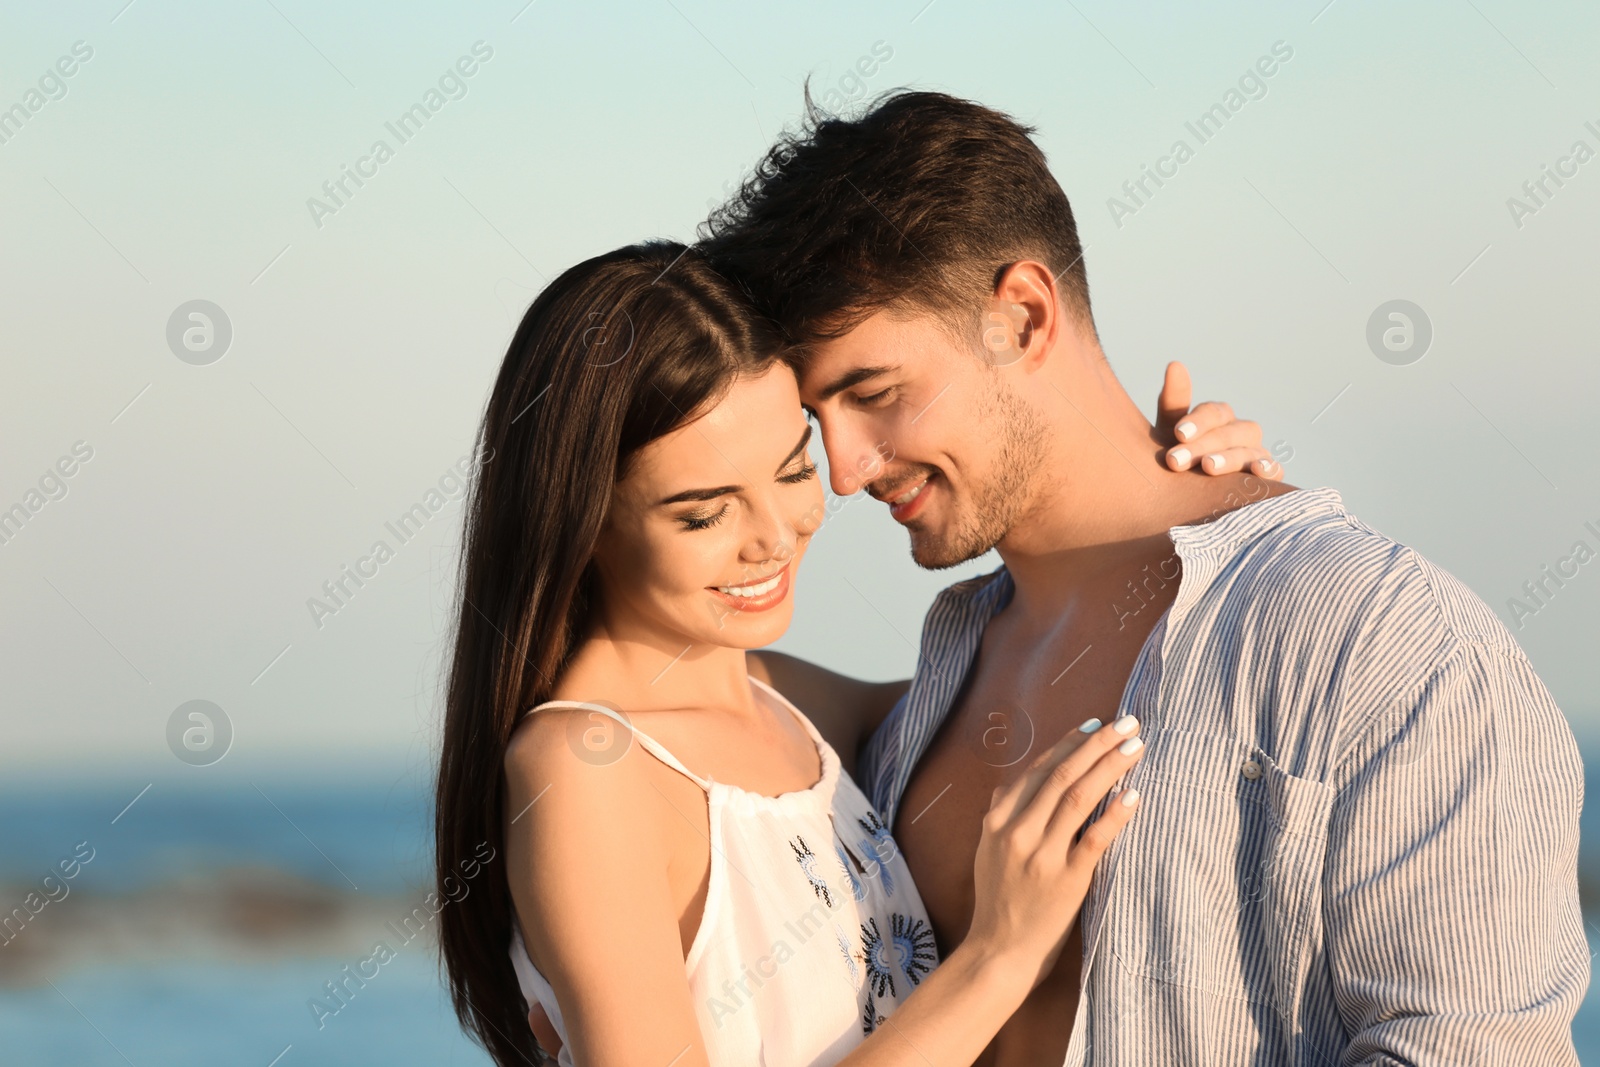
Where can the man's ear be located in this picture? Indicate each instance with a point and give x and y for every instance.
(1025, 307)
(1007, 332)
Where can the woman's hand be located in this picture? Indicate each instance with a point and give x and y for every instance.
(1033, 868)
(1208, 438)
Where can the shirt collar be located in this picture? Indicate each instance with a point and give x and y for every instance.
(1236, 528)
(986, 595)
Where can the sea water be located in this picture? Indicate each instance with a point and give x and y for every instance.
(149, 999)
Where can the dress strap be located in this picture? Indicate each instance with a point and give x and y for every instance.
(805, 723)
(651, 745)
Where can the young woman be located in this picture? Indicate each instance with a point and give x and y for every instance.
(679, 870)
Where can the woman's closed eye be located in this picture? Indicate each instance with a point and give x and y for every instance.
(703, 520)
(807, 472)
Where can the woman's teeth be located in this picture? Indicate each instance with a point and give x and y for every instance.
(752, 590)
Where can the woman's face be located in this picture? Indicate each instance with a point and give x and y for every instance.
(707, 529)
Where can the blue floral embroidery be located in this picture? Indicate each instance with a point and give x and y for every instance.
(881, 846)
(913, 939)
(808, 863)
(880, 968)
(909, 950)
(858, 888)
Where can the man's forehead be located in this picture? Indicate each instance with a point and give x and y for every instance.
(824, 361)
(884, 341)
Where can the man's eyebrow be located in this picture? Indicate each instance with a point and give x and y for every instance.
(805, 439)
(848, 379)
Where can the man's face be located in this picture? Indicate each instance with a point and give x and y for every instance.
(927, 425)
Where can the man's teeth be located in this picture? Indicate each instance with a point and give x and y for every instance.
(909, 497)
(752, 590)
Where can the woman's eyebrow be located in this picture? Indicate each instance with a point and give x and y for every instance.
(698, 495)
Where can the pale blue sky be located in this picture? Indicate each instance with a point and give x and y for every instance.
(179, 162)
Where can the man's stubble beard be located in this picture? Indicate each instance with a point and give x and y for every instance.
(995, 504)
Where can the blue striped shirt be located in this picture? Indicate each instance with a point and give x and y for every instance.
(1359, 833)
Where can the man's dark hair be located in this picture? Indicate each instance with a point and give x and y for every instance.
(919, 203)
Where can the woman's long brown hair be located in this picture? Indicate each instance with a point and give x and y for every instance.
(614, 353)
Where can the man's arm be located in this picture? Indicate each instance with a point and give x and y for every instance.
(844, 710)
(1453, 929)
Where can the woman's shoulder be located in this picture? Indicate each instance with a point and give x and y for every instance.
(578, 767)
(570, 738)
(587, 805)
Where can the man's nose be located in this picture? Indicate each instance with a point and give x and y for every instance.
(853, 461)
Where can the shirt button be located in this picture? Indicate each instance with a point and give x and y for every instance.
(1251, 769)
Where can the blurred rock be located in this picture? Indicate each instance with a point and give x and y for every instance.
(239, 915)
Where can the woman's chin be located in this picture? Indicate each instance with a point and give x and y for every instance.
(740, 629)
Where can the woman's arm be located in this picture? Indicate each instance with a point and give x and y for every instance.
(587, 859)
(616, 963)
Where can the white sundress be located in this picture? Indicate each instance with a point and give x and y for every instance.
(812, 932)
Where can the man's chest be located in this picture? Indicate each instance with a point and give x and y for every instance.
(1020, 696)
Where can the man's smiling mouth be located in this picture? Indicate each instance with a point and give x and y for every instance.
(908, 497)
(903, 505)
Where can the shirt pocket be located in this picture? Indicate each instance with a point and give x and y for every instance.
(1215, 885)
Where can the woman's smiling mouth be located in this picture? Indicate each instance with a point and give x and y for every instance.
(756, 596)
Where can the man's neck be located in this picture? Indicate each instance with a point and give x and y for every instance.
(1110, 512)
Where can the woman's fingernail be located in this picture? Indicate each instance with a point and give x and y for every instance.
(1180, 456)
(1131, 745)
(1126, 725)
(1090, 727)
(1186, 430)
(1266, 465)
(1130, 797)
(1216, 461)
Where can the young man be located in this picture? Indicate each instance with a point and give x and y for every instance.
(1358, 837)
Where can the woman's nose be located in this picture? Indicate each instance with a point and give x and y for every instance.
(772, 536)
